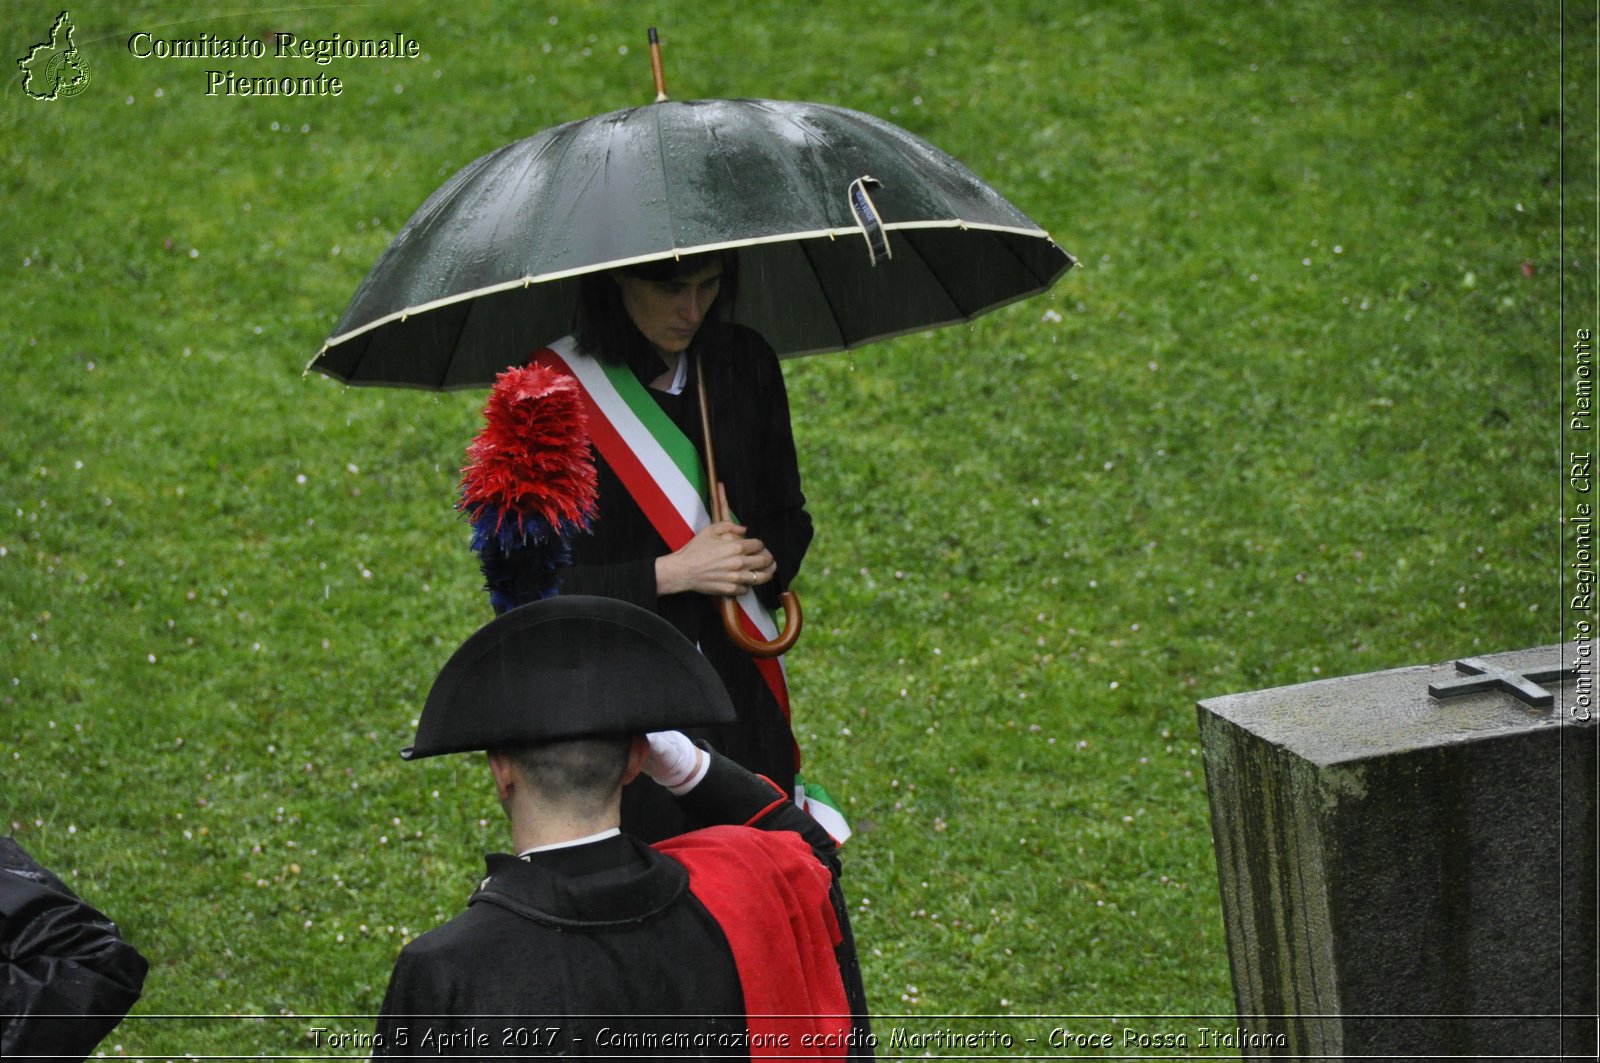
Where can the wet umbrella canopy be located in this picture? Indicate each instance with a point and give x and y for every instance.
(486, 269)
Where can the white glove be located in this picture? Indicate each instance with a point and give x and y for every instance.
(675, 762)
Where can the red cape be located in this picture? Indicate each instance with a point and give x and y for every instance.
(770, 896)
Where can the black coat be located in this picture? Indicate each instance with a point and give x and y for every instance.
(556, 952)
(592, 950)
(61, 958)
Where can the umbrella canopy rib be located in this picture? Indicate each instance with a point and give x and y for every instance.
(542, 210)
(813, 163)
(804, 248)
(666, 181)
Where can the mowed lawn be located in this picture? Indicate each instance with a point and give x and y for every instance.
(1296, 416)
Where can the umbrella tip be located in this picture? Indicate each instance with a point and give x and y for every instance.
(655, 65)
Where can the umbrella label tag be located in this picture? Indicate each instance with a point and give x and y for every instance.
(867, 217)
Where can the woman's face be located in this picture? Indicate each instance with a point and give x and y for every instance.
(668, 313)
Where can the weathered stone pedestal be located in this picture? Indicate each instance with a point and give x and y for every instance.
(1408, 875)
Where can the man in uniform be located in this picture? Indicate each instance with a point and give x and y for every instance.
(726, 941)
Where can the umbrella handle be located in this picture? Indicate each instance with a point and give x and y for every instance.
(757, 647)
(732, 622)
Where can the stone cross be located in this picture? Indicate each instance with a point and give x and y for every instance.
(1481, 675)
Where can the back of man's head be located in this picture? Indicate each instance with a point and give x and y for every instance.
(581, 773)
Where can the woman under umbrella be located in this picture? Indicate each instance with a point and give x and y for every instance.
(661, 323)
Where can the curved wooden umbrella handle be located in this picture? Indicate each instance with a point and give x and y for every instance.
(732, 622)
(757, 647)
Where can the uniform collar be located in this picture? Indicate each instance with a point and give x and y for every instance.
(615, 882)
(586, 840)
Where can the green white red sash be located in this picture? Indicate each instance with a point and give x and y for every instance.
(661, 470)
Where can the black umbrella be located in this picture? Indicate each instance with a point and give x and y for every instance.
(848, 228)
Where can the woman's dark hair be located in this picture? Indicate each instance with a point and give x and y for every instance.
(601, 324)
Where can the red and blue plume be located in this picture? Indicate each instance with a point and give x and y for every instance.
(529, 483)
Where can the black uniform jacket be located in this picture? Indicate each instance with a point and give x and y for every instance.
(597, 950)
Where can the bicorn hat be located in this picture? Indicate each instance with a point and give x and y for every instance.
(572, 666)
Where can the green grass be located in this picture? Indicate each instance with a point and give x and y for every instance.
(1296, 416)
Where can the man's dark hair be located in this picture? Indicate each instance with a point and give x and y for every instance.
(586, 770)
(604, 329)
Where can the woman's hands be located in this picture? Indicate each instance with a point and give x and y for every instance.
(719, 560)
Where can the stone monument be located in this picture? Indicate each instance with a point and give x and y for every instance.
(1408, 859)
